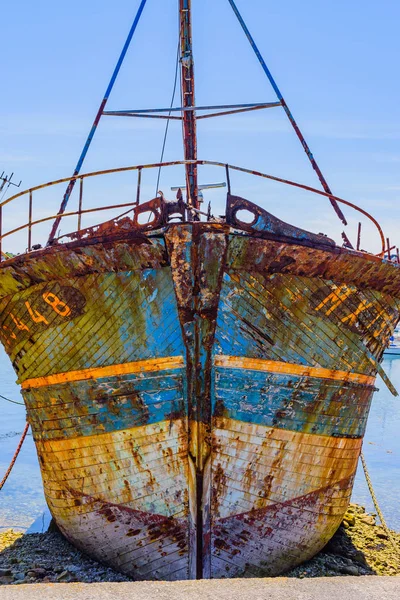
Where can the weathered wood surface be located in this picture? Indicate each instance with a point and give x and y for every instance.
(198, 398)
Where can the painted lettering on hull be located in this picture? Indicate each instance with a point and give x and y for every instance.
(344, 302)
(45, 308)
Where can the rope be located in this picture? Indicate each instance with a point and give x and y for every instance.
(14, 458)
(12, 401)
(377, 507)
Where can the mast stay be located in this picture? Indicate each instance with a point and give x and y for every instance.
(188, 111)
(288, 112)
(96, 121)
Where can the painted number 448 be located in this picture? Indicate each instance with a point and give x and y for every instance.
(60, 307)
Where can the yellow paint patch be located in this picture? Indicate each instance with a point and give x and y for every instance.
(140, 366)
(140, 468)
(275, 366)
(335, 298)
(260, 466)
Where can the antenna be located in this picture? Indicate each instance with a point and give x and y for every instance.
(6, 181)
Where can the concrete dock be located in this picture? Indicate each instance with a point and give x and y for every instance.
(280, 588)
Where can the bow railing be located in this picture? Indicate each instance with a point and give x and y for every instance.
(386, 249)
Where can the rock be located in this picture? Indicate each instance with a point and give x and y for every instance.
(58, 569)
(73, 568)
(358, 549)
(39, 572)
(349, 570)
(350, 519)
(5, 572)
(368, 520)
(332, 564)
(335, 547)
(359, 557)
(19, 576)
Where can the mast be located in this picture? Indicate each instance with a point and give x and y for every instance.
(188, 100)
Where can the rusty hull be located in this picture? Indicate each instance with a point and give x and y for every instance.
(198, 394)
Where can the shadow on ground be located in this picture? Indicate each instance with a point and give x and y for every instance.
(359, 547)
(48, 558)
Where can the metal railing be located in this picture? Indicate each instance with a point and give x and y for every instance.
(139, 168)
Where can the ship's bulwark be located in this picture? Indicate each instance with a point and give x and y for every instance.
(197, 398)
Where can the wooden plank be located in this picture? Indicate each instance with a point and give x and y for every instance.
(140, 366)
(271, 366)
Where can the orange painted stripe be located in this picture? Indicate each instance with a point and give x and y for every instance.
(275, 366)
(141, 366)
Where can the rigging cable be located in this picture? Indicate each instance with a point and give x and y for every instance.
(12, 401)
(5, 192)
(169, 114)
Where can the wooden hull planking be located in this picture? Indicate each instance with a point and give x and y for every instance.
(198, 397)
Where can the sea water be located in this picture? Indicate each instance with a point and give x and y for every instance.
(22, 500)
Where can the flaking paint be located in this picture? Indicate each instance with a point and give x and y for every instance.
(200, 408)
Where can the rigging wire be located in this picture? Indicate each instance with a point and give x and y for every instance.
(169, 114)
(12, 401)
(5, 192)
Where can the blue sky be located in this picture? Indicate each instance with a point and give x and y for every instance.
(335, 62)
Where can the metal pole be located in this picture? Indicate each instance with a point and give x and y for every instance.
(1, 233)
(228, 179)
(96, 122)
(288, 113)
(80, 204)
(30, 223)
(188, 101)
(139, 183)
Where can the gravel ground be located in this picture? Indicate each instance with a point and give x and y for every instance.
(47, 557)
(360, 547)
